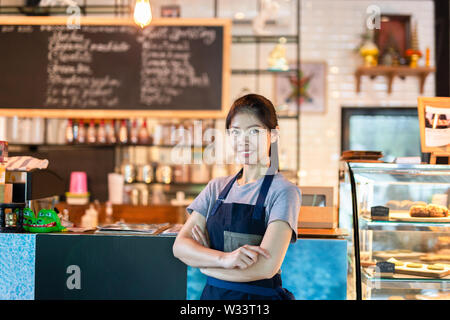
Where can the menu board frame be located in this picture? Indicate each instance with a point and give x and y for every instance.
(130, 113)
(435, 102)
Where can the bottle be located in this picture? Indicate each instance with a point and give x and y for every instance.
(143, 136)
(65, 219)
(158, 196)
(26, 130)
(90, 218)
(57, 135)
(3, 128)
(158, 134)
(75, 131)
(69, 131)
(12, 129)
(37, 130)
(164, 173)
(123, 134)
(143, 199)
(91, 134)
(101, 132)
(166, 134)
(134, 197)
(65, 215)
(171, 133)
(111, 132)
(81, 132)
(134, 133)
(109, 213)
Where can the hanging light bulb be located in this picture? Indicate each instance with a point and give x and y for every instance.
(142, 13)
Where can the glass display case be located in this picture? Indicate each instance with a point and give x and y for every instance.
(399, 230)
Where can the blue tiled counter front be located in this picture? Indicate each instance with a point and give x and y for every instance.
(313, 269)
(17, 266)
(87, 266)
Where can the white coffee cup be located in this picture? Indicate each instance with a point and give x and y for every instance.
(115, 188)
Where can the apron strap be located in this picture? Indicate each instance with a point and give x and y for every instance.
(223, 194)
(257, 213)
(259, 207)
(243, 287)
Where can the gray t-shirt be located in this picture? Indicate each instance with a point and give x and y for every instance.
(282, 202)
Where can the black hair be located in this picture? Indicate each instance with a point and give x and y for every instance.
(264, 110)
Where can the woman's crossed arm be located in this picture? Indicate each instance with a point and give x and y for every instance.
(241, 265)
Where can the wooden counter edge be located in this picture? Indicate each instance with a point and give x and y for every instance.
(321, 233)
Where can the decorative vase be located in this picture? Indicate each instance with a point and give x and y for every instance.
(413, 61)
(370, 52)
(277, 58)
(414, 53)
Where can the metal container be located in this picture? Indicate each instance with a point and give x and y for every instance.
(128, 172)
(145, 173)
(134, 197)
(181, 173)
(143, 197)
(164, 174)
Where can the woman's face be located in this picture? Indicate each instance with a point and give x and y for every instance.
(250, 139)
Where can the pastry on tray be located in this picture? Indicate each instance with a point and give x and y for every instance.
(414, 265)
(419, 211)
(419, 203)
(393, 204)
(437, 211)
(435, 257)
(405, 204)
(396, 262)
(436, 266)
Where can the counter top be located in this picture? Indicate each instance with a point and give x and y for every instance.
(302, 233)
(321, 233)
(171, 214)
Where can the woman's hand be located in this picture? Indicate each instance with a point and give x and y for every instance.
(243, 257)
(200, 236)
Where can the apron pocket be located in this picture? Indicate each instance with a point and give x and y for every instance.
(234, 240)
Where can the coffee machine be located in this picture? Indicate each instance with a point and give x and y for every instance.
(35, 189)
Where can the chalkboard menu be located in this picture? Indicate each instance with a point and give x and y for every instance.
(166, 66)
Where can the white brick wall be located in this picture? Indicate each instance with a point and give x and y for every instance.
(330, 31)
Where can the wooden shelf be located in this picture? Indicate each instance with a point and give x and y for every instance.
(391, 72)
(262, 71)
(13, 146)
(263, 39)
(54, 10)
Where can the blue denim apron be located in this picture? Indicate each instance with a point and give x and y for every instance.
(230, 226)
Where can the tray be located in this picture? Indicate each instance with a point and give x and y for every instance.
(385, 255)
(403, 215)
(423, 272)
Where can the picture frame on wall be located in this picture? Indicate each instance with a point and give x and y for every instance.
(309, 86)
(170, 11)
(393, 37)
(434, 122)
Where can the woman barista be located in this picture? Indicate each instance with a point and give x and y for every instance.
(240, 226)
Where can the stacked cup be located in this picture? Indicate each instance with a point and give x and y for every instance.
(78, 192)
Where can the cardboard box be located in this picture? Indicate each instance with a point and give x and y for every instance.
(6, 193)
(3, 151)
(317, 210)
(317, 217)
